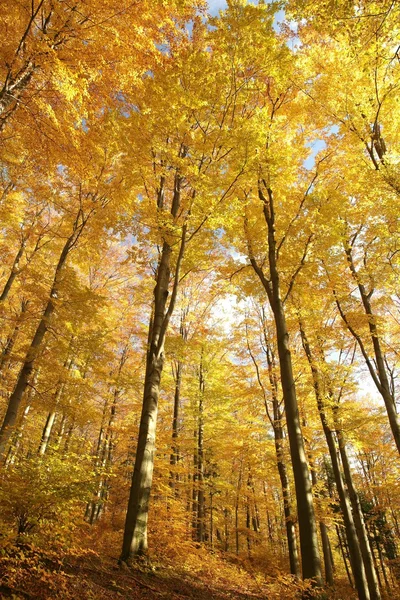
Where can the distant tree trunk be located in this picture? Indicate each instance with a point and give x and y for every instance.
(311, 565)
(61, 430)
(282, 470)
(51, 417)
(12, 338)
(177, 374)
(174, 458)
(16, 438)
(248, 525)
(356, 558)
(135, 532)
(68, 437)
(377, 366)
(359, 520)
(344, 555)
(326, 550)
(237, 500)
(212, 522)
(195, 485)
(226, 530)
(13, 273)
(329, 578)
(105, 445)
(276, 421)
(200, 458)
(34, 348)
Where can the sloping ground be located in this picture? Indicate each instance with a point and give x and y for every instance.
(29, 573)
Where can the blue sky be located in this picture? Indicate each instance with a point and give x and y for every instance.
(216, 5)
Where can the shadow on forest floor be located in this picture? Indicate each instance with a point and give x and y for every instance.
(29, 573)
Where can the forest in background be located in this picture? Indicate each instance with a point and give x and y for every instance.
(199, 299)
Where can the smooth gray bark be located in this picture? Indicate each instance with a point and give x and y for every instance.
(366, 551)
(135, 532)
(356, 560)
(377, 367)
(311, 565)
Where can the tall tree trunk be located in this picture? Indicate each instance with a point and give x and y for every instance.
(6, 352)
(226, 530)
(195, 485)
(377, 366)
(311, 564)
(326, 550)
(34, 348)
(48, 427)
(356, 559)
(51, 417)
(177, 374)
(359, 520)
(135, 532)
(276, 421)
(200, 458)
(237, 500)
(16, 438)
(174, 458)
(105, 445)
(282, 470)
(13, 273)
(344, 555)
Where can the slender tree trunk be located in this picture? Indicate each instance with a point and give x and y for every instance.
(200, 458)
(248, 525)
(13, 273)
(33, 350)
(61, 431)
(6, 352)
(51, 417)
(327, 554)
(322, 529)
(377, 368)
(135, 532)
(285, 486)
(359, 522)
(16, 438)
(174, 458)
(311, 564)
(105, 446)
(68, 437)
(212, 522)
(276, 421)
(237, 500)
(343, 553)
(104, 461)
(356, 559)
(195, 485)
(226, 530)
(177, 374)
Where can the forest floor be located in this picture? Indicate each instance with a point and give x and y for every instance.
(29, 573)
(85, 567)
